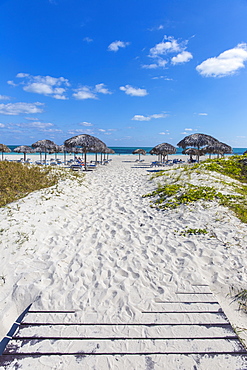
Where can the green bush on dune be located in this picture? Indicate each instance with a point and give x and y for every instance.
(183, 192)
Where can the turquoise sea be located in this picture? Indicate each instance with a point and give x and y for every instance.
(129, 150)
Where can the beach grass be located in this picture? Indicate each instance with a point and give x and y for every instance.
(176, 190)
(18, 180)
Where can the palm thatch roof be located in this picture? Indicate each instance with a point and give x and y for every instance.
(197, 140)
(163, 149)
(108, 150)
(139, 151)
(218, 148)
(45, 145)
(192, 151)
(24, 149)
(4, 149)
(87, 142)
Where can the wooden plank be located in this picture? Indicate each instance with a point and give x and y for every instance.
(181, 346)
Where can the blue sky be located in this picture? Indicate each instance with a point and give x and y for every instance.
(130, 72)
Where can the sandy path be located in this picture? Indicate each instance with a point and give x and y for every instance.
(100, 248)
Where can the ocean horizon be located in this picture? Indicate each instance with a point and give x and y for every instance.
(130, 149)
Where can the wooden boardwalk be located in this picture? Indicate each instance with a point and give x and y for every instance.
(192, 329)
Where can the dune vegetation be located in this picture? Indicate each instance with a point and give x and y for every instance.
(18, 180)
(229, 188)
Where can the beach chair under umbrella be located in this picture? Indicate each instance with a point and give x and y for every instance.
(44, 146)
(139, 151)
(88, 143)
(197, 141)
(24, 149)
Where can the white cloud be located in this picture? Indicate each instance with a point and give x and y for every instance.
(132, 91)
(101, 130)
(14, 109)
(100, 88)
(202, 114)
(4, 97)
(22, 75)
(11, 83)
(139, 117)
(35, 124)
(160, 115)
(188, 129)
(168, 46)
(183, 57)
(164, 133)
(2, 125)
(87, 92)
(84, 93)
(45, 85)
(31, 119)
(160, 63)
(114, 46)
(52, 130)
(227, 63)
(79, 131)
(39, 88)
(86, 124)
(87, 39)
(162, 77)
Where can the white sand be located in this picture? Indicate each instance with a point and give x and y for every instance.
(100, 248)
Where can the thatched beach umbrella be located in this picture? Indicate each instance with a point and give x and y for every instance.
(107, 151)
(24, 149)
(87, 143)
(163, 149)
(4, 149)
(44, 146)
(218, 148)
(197, 141)
(139, 151)
(192, 151)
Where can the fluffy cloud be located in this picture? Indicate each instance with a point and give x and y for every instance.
(202, 114)
(87, 39)
(227, 63)
(45, 85)
(79, 132)
(35, 124)
(4, 97)
(84, 93)
(139, 117)
(102, 89)
(114, 46)
(14, 109)
(132, 91)
(168, 46)
(160, 63)
(2, 125)
(87, 92)
(183, 57)
(86, 124)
